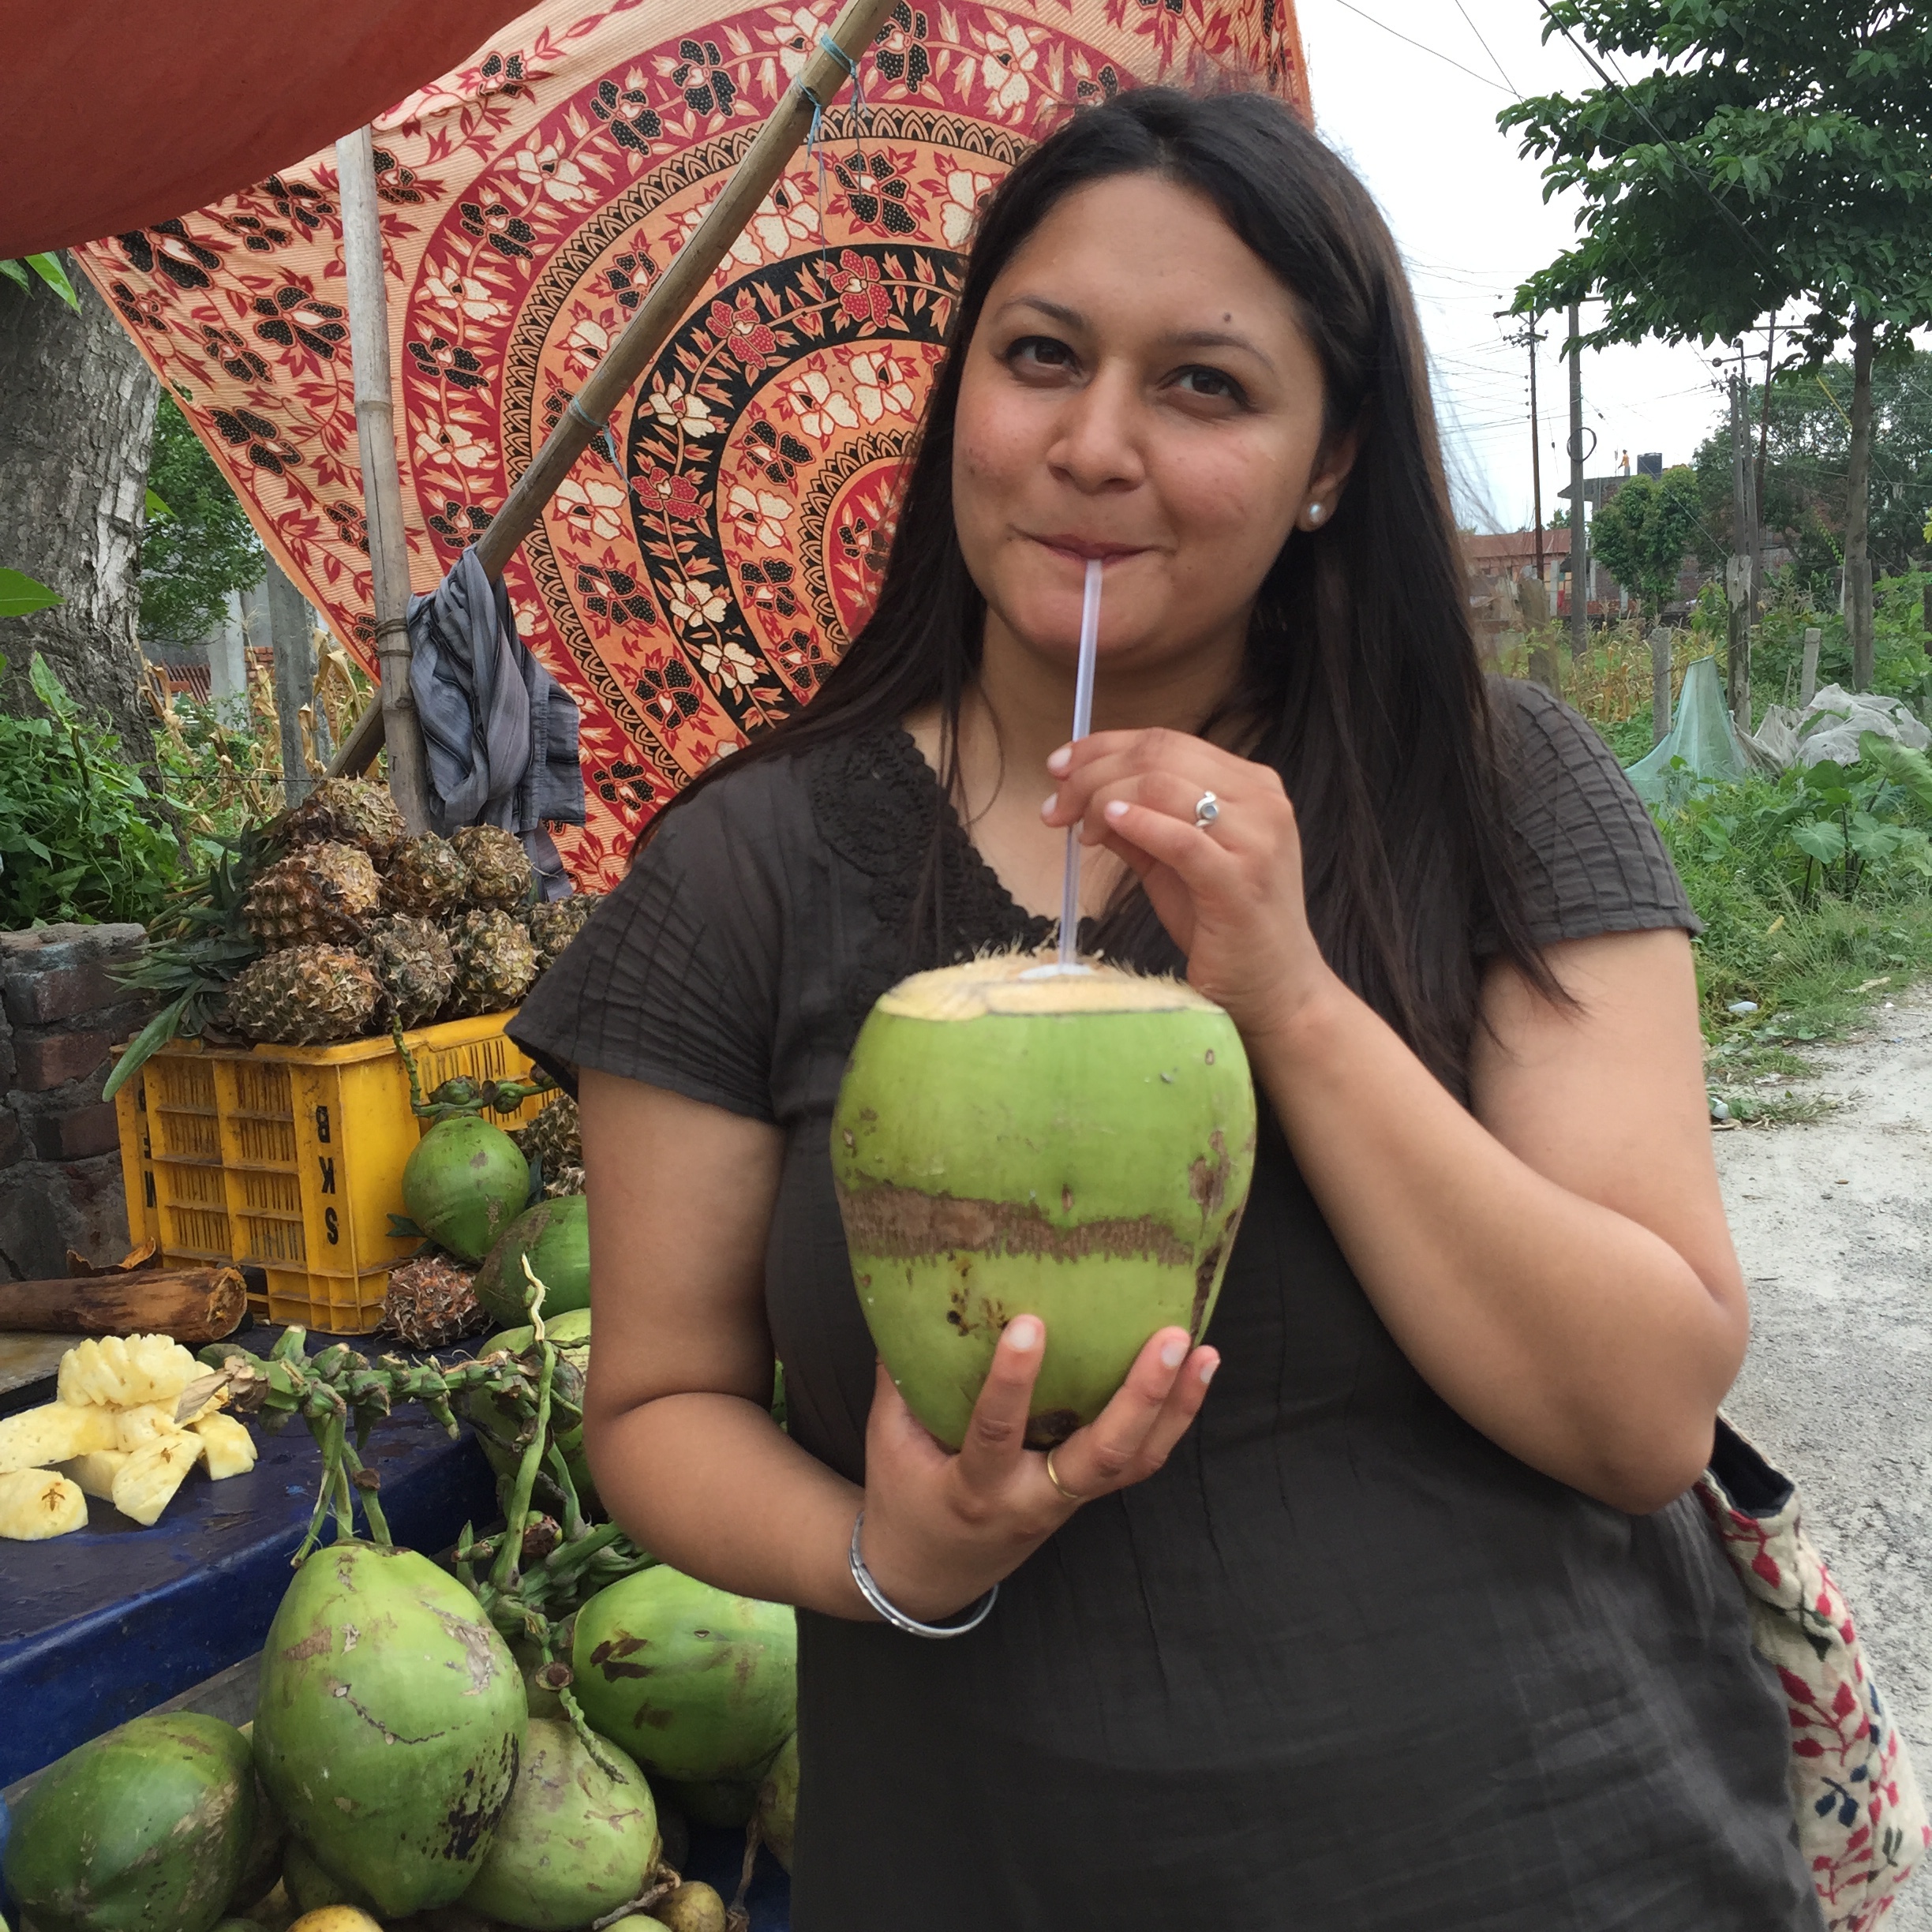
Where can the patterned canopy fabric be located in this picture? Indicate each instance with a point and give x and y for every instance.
(699, 572)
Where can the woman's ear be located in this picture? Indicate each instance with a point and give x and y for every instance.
(1324, 487)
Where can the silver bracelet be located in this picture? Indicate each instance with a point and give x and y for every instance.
(897, 1617)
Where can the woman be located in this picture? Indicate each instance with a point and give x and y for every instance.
(1411, 1624)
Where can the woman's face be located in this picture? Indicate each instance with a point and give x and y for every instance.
(1139, 388)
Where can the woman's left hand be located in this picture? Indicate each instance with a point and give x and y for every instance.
(1230, 893)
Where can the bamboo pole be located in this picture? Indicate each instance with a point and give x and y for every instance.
(671, 296)
(382, 486)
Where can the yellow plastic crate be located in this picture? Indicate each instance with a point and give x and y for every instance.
(290, 1158)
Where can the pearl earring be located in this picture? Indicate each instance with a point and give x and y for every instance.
(1315, 513)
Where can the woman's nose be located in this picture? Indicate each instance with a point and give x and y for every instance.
(1096, 443)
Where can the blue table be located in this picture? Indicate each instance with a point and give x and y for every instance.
(100, 1626)
(97, 1626)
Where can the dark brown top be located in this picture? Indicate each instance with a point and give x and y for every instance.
(1344, 1662)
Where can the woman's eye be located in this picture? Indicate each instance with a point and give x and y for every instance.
(1039, 352)
(1210, 383)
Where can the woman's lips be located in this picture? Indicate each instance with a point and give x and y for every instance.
(1087, 548)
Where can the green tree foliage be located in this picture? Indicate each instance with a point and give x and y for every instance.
(1641, 534)
(1776, 156)
(81, 837)
(202, 547)
(1807, 452)
(49, 270)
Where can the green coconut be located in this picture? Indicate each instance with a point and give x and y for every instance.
(312, 1887)
(577, 1842)
(389, 1724)
(555, 1237)
(697, 1685)
(144, 1829)
(464, 1182)
(778, 1803)
(1010, 1139)
(261, 1864)
(498, 1425)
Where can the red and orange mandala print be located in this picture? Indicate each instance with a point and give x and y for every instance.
(701, 569)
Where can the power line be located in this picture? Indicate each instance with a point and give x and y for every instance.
(1433, 52)
(1477, 31)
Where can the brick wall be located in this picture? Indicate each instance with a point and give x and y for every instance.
(61, 1013)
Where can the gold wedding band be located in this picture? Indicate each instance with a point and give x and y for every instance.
(1053, 1478)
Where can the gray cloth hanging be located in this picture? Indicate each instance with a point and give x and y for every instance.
(500, 733)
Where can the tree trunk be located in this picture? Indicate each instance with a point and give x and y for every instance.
(76, 417)
(1858, 577)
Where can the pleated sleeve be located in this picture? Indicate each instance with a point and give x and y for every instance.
(1587, 852)
(674, 980)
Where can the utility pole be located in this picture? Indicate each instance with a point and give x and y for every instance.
(1738, 571)
(1542, 665)
(1579, 521)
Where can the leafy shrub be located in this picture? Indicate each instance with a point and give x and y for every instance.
(80, 836)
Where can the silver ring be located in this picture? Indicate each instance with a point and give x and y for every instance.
(1207, 811)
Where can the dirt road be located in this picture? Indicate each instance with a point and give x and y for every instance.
(1833, 1224)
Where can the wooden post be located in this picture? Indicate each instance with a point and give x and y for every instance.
(1660, 683)
(1807, 675)
(382, 485)
(1579, 521)
(1738, 572)
(294, 677)
(673, 293)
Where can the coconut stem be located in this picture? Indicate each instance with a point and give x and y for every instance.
(503, 1573)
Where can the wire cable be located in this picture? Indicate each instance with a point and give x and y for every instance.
(1435, 53)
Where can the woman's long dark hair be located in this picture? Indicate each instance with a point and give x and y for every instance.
(1361, 681)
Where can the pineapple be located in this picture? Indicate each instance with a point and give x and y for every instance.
(56, 1431)
(346, 811)
(143, 1423)
(555, 1136)
(147, 1481)
(326, 892)
(119, 1371)
(414, 967)
(304, 996)
(499, 869)
(495, 962)
(425, 877)
(555, 922)
(227, 1445)
(95, 1472)
(430, 1302)
(36, 1504)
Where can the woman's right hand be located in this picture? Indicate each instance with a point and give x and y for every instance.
(942, 1528)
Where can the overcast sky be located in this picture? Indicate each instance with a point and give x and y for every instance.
(1471, 221)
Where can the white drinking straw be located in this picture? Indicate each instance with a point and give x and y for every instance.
(1083, 723)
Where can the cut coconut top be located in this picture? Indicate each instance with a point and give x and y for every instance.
(1013, 983)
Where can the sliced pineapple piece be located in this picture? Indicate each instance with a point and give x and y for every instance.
(119, 1371)
(148, 1480)
(55, 1432)
(132, 1427)
(230, 1448)
(36, 1504)
(95, 1472)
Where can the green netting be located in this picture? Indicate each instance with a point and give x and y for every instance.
(1701, 747)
